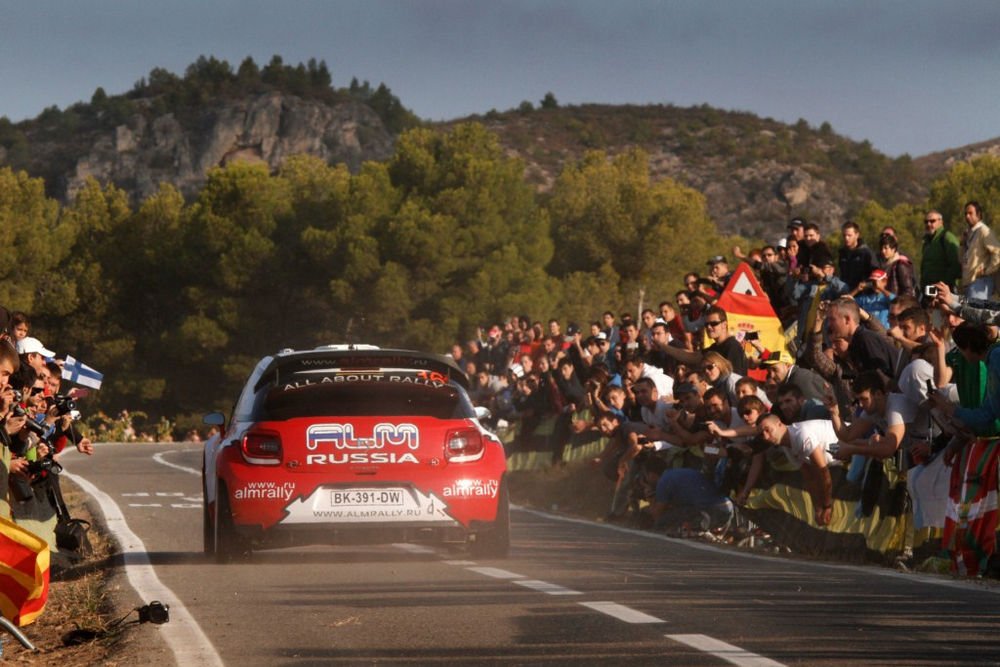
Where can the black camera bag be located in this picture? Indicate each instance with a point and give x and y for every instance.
(72, 535)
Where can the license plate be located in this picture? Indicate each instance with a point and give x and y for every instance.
(367, 497)
(369, 505)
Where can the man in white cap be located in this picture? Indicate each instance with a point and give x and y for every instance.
(34, 354)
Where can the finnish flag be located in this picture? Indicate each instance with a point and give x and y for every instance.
(80, 373)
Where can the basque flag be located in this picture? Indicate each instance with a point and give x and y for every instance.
(81, 373)
(24, 573)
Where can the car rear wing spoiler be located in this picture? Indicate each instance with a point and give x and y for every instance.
(434, 367)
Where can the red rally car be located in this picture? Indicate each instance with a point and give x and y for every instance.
(354, 444)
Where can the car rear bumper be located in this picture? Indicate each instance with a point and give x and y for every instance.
(442, 504)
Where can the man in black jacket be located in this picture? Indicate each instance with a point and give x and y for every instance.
(781, 370)
(867, 350)
(857, 260)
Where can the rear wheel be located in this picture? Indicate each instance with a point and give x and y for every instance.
(494, 542)
(207, 526)
(207, 531)
(229, 545)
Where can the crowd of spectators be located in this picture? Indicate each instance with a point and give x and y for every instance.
(37, 422)
(885, 363)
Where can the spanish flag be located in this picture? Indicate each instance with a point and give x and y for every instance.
(748, 309)
(24, 573)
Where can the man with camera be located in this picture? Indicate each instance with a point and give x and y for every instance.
(12, 424)
(32, 468)
(61, 413)
(971, 310)
(873, 297)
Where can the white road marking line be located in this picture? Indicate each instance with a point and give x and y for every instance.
(622, 613)
(728, 652)
(158, 457)
(630, 573)
(169, 494)
(496, 573)
(196, 506)
(699, 546)
(145, 505)
(459, 562)
(414, 548)
(546, 587)
(137, 494)
(182, 634)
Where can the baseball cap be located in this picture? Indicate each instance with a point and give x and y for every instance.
(32, 345)
(601, 336)
(878, 274)
(796, 222)
(781, 357)
(715, 260)
(782, 242)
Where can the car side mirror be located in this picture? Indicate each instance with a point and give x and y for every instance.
(214, 419)
(482, 413)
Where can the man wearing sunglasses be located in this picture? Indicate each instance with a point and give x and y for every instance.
(940, 261)
(717, 330)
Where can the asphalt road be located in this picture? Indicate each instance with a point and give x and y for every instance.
(572, 592)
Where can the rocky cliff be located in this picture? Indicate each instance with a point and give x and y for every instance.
(149, 148)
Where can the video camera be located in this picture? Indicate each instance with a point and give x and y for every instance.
(65, 405)
(47, 464)
(30, 424)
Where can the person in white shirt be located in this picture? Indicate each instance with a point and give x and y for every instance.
(636, 367)
(807, 443)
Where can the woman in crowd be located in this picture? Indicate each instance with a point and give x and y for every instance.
(898, 267)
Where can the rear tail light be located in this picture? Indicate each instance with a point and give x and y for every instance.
(463, 445)
(262, 447)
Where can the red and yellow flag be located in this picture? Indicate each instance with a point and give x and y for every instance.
(24, 573)
(748, 309)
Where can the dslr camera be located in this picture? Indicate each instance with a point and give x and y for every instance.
(65, 405)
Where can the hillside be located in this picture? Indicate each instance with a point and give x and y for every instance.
(933, 165)
(755, 172)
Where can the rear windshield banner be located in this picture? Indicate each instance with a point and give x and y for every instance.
(335, 376)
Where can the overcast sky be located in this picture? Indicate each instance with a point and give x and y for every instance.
(911, 76)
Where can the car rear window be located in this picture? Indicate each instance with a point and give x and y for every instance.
(365, 399)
